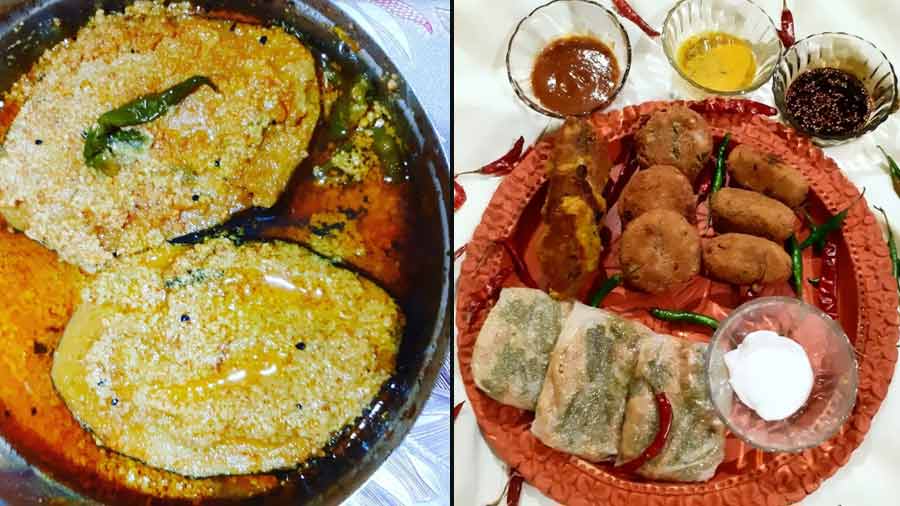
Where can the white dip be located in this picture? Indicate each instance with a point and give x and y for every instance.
(770, 374)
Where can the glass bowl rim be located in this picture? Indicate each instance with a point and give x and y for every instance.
(844, 339)
(759, 82)
(870, 125)
(538, 107)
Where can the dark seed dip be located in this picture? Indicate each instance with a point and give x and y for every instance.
(575, 75)
(828, 102)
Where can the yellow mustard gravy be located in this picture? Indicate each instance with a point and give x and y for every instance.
(718, 61)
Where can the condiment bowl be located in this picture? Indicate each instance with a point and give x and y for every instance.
(848, 53)
(740, 18)
(552, 21)
(834, 374)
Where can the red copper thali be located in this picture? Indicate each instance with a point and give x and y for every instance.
(867, 309)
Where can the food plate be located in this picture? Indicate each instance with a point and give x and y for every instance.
(866, 308)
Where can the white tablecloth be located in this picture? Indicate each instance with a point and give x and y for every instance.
(488, 118)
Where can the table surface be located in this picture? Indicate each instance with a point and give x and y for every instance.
(416, 35)
(488, 118)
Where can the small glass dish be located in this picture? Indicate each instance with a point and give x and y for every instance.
(552, 21)
(834, 369)
(740, 18)
(850, 54)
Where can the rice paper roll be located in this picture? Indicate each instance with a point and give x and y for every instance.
(582, 404)
(696, 443)
(513, 348)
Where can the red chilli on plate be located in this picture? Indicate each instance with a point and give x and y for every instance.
(499, 167)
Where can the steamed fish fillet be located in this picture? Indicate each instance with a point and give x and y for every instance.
(222, 359)
(513, 347)
(582, 404)
(213, 154)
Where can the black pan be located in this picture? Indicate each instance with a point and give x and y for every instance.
(26, 30)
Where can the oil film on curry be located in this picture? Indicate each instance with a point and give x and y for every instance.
(674, 302)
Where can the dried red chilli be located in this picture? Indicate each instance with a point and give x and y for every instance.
(827, 287)
(505, 164)
(786, 33)
(459, 196)
(521, 269)
(456, 410)
(512, 490)
(613, 190)
(735, 105)
(493, 285)
(460, 251)
(515, 488)
(664, 409)
(627, 11)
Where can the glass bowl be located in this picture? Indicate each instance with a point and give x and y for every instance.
(552, 21)
(848, 53)
(834, 369)
(740, 18)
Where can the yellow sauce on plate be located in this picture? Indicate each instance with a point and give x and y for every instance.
(717, 61)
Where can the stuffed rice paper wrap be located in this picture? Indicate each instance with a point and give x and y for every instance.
(582, 404)
(513, 348)
(696, 442)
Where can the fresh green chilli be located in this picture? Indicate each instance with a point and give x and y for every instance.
(796, 266)
(719, 175)
(608, 285)
(892, 247)
(895, 169)
(98, 140)
(349, 108)
(820, 232)
(684, 316)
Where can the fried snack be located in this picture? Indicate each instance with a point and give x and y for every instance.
(570, 249)
(767, 174)
(678, 137)
(510, 358)
(223, 359)
(659, 250)
(213, 154)
(695, 445)
(747, 212)
(742, 259)
(659, 187)
(582, 403)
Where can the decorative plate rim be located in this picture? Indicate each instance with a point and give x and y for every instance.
(788, 477)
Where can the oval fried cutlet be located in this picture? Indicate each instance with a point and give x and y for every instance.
(742, 259)
(222, 359)
(678, 137)
(659, 187)
(213, 154)
(747, 212)
(767, 174)
(659, 250)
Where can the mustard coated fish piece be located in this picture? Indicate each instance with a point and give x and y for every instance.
(222, 359)
(213, 154)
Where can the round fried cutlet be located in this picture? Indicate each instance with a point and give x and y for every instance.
(213, 154)
(659, 250)
(678, 137)
(659, 187)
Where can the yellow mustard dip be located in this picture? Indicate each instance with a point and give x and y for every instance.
(717, 61)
